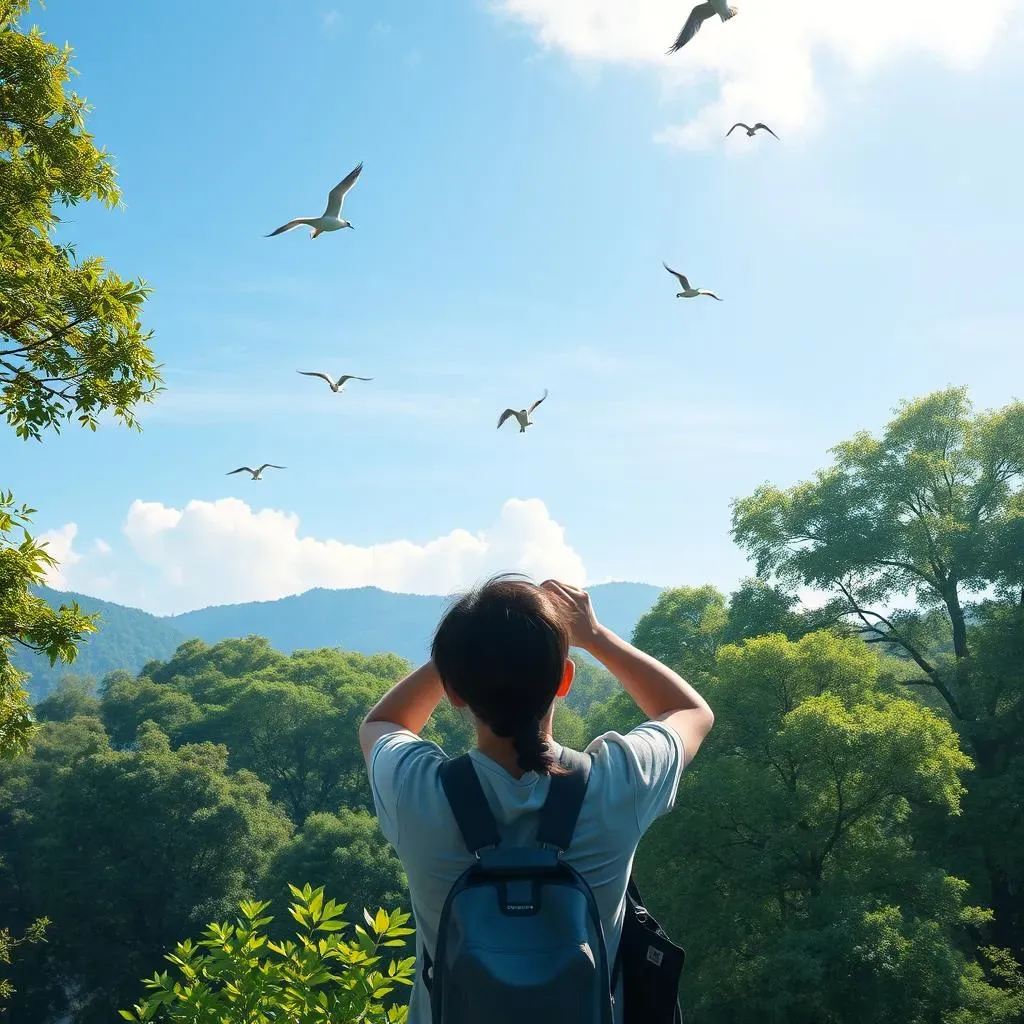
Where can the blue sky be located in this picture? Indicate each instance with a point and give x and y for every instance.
(511, 220)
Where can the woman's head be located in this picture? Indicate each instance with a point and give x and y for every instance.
(503, 650)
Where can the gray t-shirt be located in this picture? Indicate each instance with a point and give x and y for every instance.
(633, 780)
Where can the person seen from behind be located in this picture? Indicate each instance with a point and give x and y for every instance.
(502, 652)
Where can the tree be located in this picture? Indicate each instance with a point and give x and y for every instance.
(73, 696)
(757, 608)
(684, 629)
(236, 973)
(932, 510)
(124, 851)
(789, 867)
(345, 852)
(71, 340)
(27, 620)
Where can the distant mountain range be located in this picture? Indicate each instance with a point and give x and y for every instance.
(365, 619)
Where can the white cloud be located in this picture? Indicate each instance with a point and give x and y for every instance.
(223, 551)
(60, 544)
(766, 58)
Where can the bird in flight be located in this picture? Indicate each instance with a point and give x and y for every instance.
(522, 415)
(750, 131)
(331, 219)
(687, 292)
(698, 16)
(257, 474)
(336, 386)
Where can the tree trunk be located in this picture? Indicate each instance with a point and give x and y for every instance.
(956, 617)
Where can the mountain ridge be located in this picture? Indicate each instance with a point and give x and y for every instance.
(368, 620)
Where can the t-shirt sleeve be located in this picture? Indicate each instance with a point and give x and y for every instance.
(652, 758)
(396, 758)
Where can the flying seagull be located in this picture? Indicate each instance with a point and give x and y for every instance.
(698, 16)
(750, 131)
(331, 219)
(522, 415)
(687, 292)
(336, 386)
(257, 474)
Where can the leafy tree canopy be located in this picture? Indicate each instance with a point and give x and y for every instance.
(788, 867)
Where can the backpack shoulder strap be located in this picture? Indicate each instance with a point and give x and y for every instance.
(469, 805)
(562, 807)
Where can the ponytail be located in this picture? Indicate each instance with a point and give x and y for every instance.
(532, 750)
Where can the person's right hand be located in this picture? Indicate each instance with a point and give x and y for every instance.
(575, 603)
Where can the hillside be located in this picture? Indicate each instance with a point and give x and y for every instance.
(370, 620)
(365, 619)
(128, 638)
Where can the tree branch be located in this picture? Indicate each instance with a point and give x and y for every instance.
(891, 635)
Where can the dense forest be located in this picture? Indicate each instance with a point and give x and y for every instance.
(846, 849)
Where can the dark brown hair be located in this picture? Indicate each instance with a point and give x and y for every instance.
(501, 648)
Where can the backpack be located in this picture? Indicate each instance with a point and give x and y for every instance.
(520, 936)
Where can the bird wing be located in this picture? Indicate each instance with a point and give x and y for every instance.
(529, 411)
(704, 291)
(504, 416)
(337, 194)
(350, 376)
(292, 224)
(316, 373)
(738, 124)
(697, 17)
(765, 127)
(268, 465)
(681, 278)
(241, 469)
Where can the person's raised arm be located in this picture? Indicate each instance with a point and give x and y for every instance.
(661, 694)
(407, 705)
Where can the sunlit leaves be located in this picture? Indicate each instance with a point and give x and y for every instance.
(319, 977)
(72, 345)
(27, 620)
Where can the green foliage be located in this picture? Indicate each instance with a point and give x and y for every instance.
(71, 343)
(236, 972)
(71, 340)
(75, 695)
(27, 621)
(789, 866)
(289, 719)
(758, 608)
(124, 851)
(36, 932)
(591, 684)
(992, 991)
(932, 510)
(346, 853)
(684, 629)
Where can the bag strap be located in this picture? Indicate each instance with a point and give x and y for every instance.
(564, 801)
(633, 900)
(469, 805)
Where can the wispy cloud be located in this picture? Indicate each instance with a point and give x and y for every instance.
(767, 60)
(331, 20)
